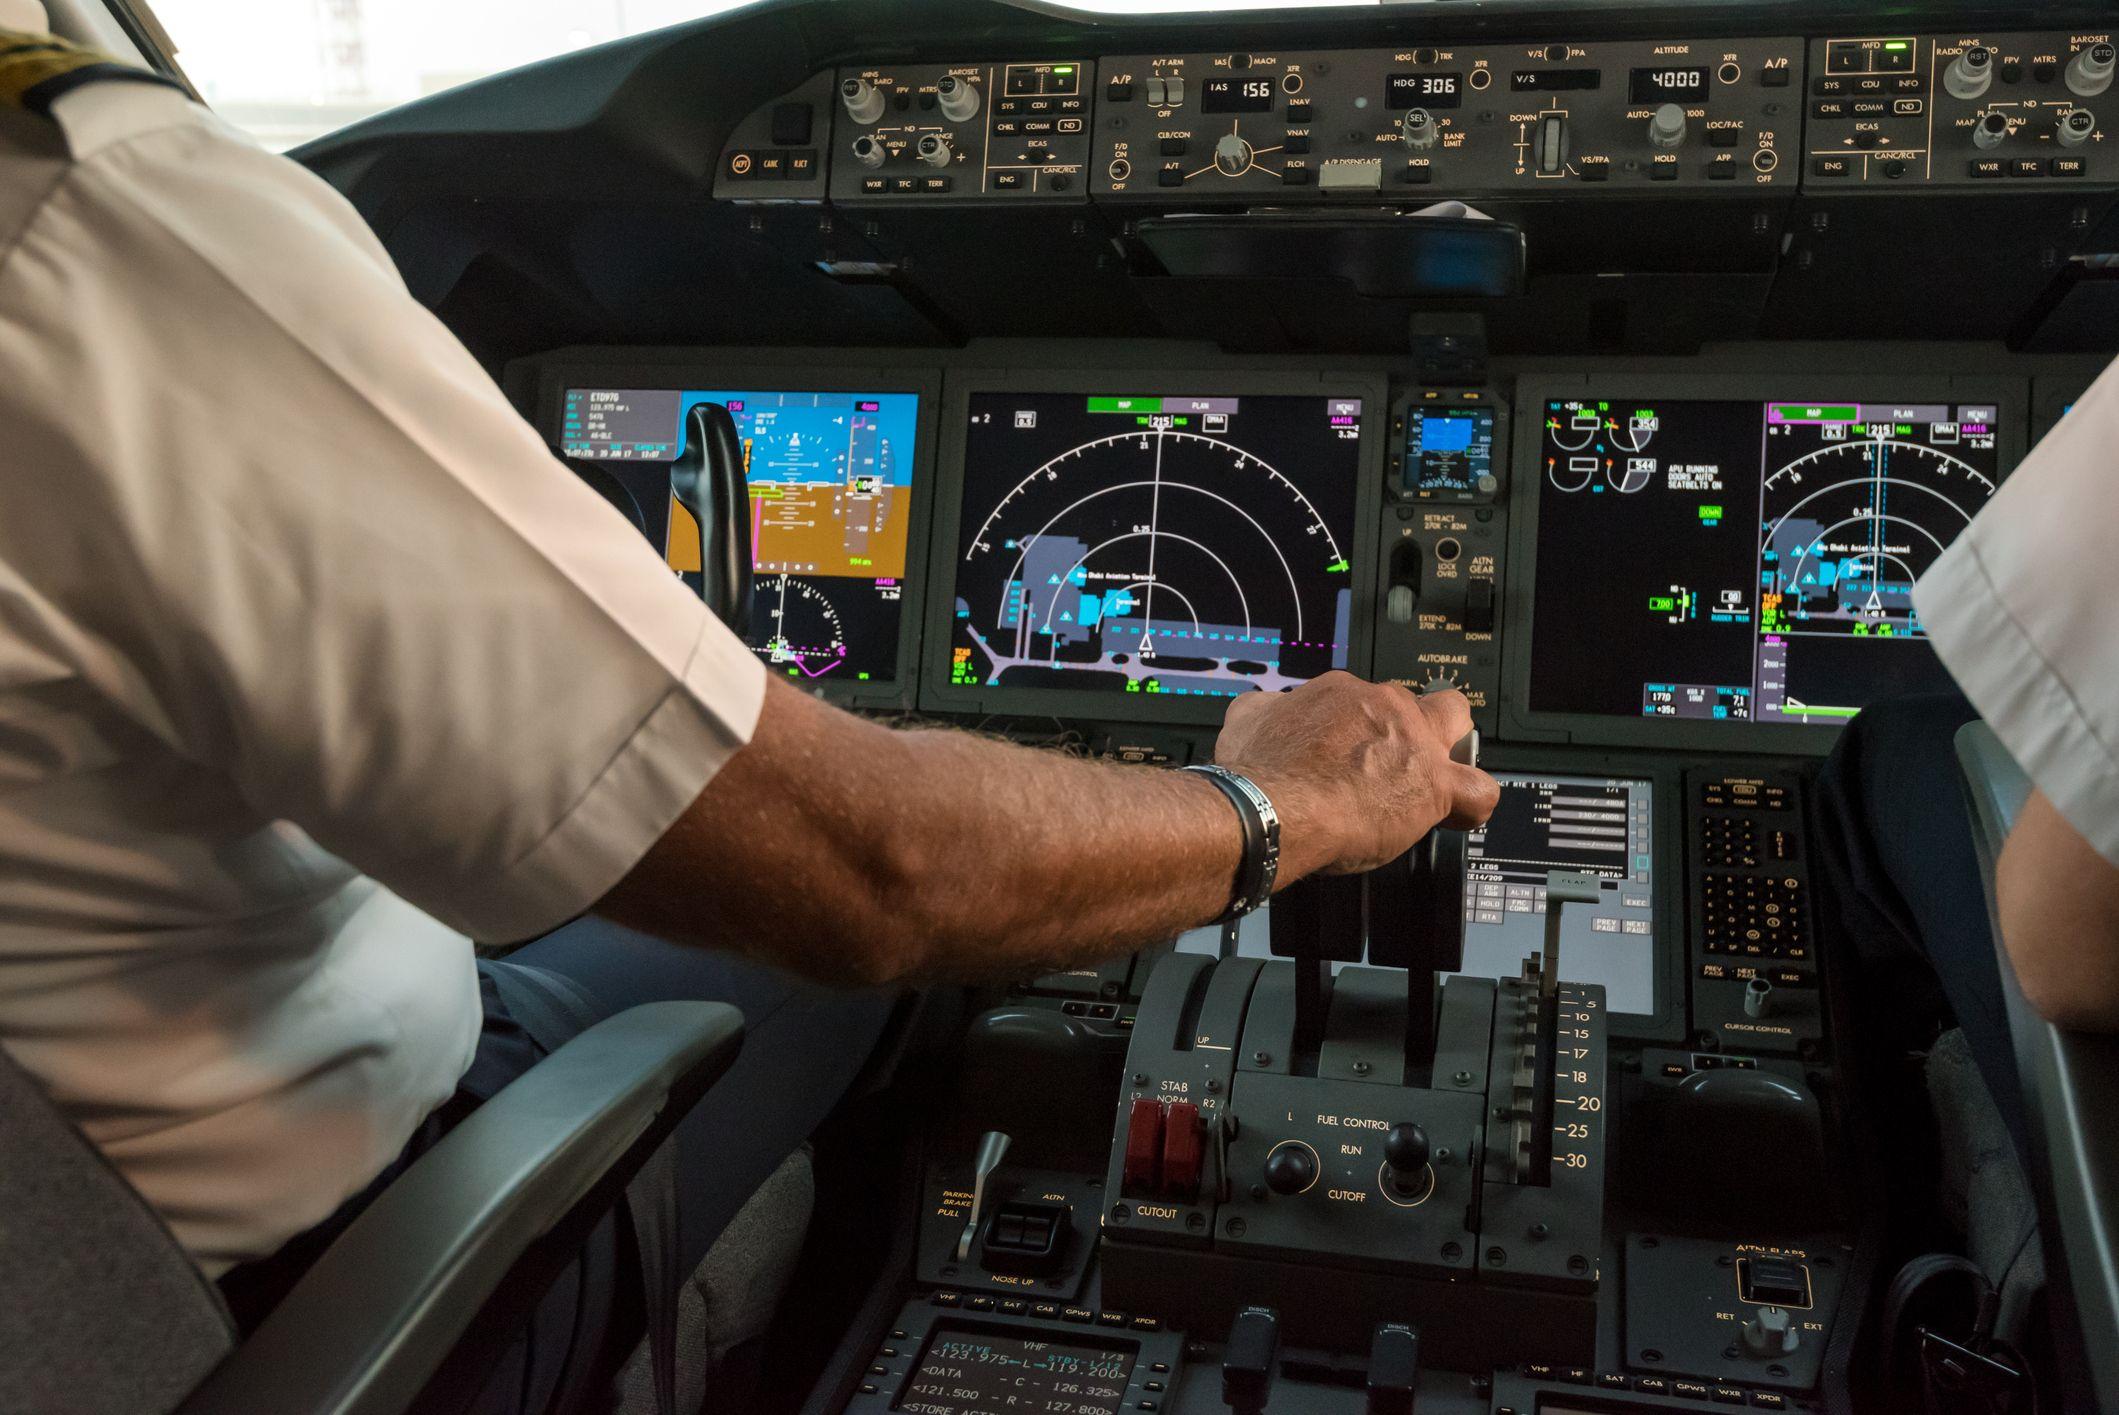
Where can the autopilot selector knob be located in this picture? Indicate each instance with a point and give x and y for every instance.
(1407, 1150)
(1970, 73)
(864, 101)
(958, 97)
(2077, 126)
(1419, 129)
(933, 149)
(868, 152)
(1666, 126)
(1232, 155)
(1991, 130)
(1290, 1169)
(2089, 73)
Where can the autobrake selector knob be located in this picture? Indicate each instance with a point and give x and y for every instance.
(1970, 73)
(2089, 73)
(1419, 129)
(1406, 1150)
(1666, 126)
(2077, 127)
(868, 152)
(933, 150)
(1290, 1168)
(1991, 130)
(1232, 155)
(957, 97)
(864, 101)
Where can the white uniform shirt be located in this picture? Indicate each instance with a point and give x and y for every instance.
(313, 662)
(2021, 608)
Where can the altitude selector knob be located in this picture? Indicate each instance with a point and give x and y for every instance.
(1232, 155)
(1406, 1150)
(957, 97)
(1970, 73)
(1290, 1169)
(864, 101)
(2089, 73)
(1666, 126)
(1990, 131)
(934, 150)
(1419, 129)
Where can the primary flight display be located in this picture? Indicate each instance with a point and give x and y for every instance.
(831, 487)
(1744, 561)
(1183, 545)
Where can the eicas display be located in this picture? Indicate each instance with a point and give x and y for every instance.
(830, 478)
(1742, 561)
(1158, 544)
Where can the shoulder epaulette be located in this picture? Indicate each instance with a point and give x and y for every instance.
(37, 70)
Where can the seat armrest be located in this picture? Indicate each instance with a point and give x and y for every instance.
(372, 1322)
(1995, 790)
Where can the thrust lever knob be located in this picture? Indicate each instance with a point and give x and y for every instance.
(1406, 1150)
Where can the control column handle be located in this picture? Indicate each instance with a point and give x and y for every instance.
(1394, 1369)
(710, 482)
(993, 1147)
(1249, 1359)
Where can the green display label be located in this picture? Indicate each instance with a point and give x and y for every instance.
(1125, 405)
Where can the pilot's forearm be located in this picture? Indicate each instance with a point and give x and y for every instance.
(854, 853)
(2059, 906)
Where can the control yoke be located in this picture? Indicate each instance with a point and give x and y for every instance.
(710, 481)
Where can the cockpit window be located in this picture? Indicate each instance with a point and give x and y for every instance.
(311, 66)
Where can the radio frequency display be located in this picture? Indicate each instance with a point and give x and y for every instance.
(982, 1373)
(1744, 561)
(1155, 544)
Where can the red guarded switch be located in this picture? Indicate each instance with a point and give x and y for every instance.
(1144, 1149)
(1184, 1151)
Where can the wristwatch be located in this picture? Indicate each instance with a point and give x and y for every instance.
(1261, 839)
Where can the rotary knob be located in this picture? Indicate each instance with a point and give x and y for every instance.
(1442, 680)
(1970, 73)
(2077, 128)
(934, 150)
(868, 152)
(1666, 126)
(1991, 130)
(1232, 155)
(957, 97)
(1419, 129)
(1771, 1333)
(864, 101)
(2089, 73)
(1290, 1168)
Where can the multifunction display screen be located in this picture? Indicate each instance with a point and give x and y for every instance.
(830, 478)
(1156, 544)
(1448, 451)
(1585, 825)
(980, 1373)
(1743, 561)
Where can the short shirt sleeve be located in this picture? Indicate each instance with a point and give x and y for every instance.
(265, 502)
(2022, 609)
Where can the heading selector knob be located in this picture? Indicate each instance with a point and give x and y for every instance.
(1666, 126)
(1970, 73)
(1419, 129)
(1991, 130)
(933, 150)
(2089, 73)
(1290, 1169)
(864, 101)
(958, 97)
(1232, 155)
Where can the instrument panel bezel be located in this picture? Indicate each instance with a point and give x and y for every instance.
(760, 369)
(939, 695)
(2010, 394)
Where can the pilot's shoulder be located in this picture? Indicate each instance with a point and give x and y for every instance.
(58, 100)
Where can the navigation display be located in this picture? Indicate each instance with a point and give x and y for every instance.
(1601, 826)
(1193, 546)
(1742, 561)
(980, 1373)
(831, 511)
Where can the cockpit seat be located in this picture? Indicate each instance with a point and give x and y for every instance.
(101, 1313)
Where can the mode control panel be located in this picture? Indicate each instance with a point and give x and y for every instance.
(1315, 125)
(1962, 110)
(942, 132)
